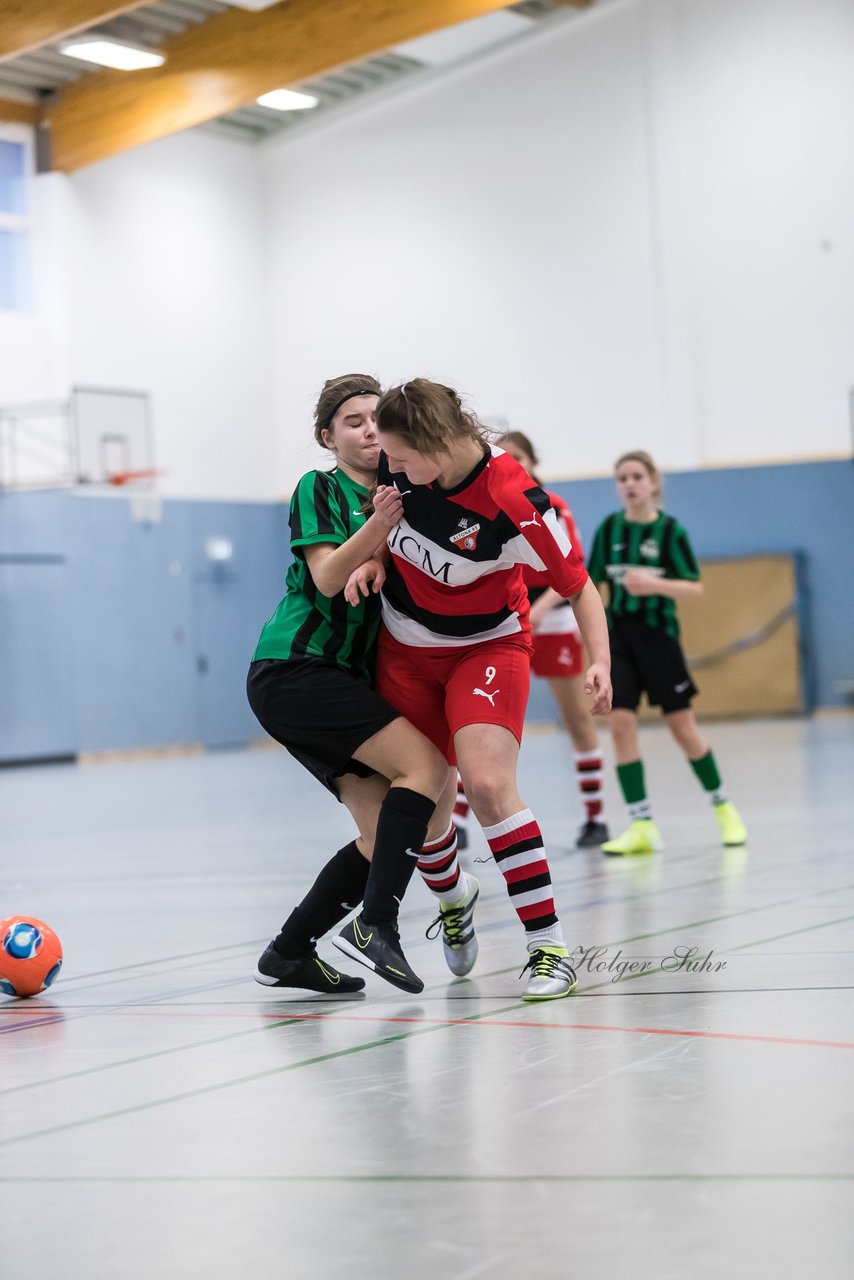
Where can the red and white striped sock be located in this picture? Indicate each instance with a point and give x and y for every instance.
(440, 868)
(589, 771)
(517, 847)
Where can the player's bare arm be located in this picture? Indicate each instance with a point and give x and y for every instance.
(590, 613)
(330, 566)
(640, 582)
(543, 605)
(367, 579)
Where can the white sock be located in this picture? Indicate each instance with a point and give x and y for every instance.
(550, 937)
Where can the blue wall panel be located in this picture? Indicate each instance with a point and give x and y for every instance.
(231, 599)
(138, 605)
(132, 631)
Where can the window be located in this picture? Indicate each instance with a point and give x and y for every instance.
(15, 256)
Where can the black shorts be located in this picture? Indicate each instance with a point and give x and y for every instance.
(319, 711)
(646, 660)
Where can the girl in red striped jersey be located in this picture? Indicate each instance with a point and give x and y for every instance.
(454, 651)
(559, 658)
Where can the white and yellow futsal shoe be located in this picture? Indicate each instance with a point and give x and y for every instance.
(459, 939)
(552, 976)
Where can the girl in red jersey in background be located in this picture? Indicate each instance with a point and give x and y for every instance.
(454, 650)
(559, 658)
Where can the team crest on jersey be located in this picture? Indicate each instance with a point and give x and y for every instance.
(649, 549)
(466, 539)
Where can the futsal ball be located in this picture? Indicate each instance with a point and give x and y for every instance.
(30, 956)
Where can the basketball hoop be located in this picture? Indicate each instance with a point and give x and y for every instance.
(132, 477)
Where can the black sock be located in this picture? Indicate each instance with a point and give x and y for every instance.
(401, 831)
(339, 888)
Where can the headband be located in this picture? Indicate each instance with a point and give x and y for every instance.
(351, 395)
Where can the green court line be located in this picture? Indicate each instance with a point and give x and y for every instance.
(257, 1075)
(164, 1053)
(417, 1178)
(824, 924)
(124, 971)
(605, 984)
(694, 924)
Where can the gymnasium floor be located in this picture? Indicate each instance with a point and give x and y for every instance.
(161, 1115)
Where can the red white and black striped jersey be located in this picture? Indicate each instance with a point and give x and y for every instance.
(561, 619)
(457, 556)
(537, 580)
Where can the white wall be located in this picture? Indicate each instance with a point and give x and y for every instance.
(635, 228)
(632, 227)
(168, 287)
(153, 276)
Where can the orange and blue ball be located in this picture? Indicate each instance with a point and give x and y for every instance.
(30, 956)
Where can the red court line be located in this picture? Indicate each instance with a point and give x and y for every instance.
(482, 1022)
(577, 1026)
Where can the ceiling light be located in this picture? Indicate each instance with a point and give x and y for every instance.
(286, 100)
(113, 53)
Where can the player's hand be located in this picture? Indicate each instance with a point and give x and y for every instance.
(598, 682)
(388, 506)
(640, 582)
(369, 577)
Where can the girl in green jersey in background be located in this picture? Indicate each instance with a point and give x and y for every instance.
(646, 559)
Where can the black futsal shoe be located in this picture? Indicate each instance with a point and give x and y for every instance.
(377, 946)
(308, 972)
(592, 834)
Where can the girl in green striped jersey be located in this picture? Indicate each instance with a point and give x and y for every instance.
(647, 561)
(310, 687)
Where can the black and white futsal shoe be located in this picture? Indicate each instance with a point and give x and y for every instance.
(307, 972)
(377, 946)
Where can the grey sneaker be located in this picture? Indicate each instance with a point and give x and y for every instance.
(592, 834)
(458, 936)
(552, 976)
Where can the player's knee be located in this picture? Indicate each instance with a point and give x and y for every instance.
(429, 773)
(486, 794)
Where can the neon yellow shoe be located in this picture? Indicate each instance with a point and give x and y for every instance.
(733, 830)
(552, 976)
(641, 837)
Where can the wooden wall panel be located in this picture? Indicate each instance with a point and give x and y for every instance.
(741, 598)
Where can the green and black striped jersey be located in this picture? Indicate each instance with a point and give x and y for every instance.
(326, 508)
(662, 547)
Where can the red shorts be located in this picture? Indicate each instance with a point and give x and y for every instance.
(557, 654)
(441, 690)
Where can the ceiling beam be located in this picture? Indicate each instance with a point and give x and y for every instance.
(19, 112)
(226, 62)
(28, 24)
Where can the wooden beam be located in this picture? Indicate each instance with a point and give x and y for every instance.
(226, 62)
(19, 112)
(28, 24)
